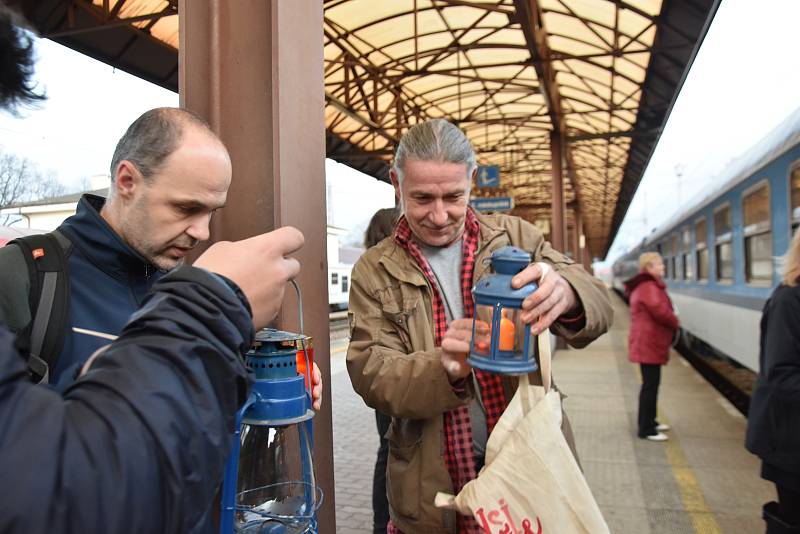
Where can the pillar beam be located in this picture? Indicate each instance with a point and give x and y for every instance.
(558, 226)
(254, 70)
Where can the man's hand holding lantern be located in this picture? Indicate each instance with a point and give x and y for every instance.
(455, 347)
(553, 298)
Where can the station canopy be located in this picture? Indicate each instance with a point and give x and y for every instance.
(600, 74)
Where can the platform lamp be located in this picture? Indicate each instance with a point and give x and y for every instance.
(501, 341)
(269, 485)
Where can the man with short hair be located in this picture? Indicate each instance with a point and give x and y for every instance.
(169, 173)
(410, 319)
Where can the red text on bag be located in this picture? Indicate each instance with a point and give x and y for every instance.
(502, 521)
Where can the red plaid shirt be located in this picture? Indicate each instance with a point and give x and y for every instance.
(458, 453)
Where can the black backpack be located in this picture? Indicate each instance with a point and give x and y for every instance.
(43, 339)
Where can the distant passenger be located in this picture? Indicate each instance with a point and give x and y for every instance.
(653, 325)
(380, 226)
(773, 424)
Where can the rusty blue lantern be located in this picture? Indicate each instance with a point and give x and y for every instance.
(269, 484)
(501, 341)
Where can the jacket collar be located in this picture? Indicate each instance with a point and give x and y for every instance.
(395, 258)
(640, 278)
(95, 238)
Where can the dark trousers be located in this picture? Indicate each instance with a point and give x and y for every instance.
(648, 398)
(380, 503)
(783, 517)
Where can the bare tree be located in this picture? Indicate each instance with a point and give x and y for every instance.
(21, 180)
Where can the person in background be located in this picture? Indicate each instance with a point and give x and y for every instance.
(653, 325)
(380, 227)
(773, 421)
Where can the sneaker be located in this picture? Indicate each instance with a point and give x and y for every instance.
(663, 427)
(657, 437)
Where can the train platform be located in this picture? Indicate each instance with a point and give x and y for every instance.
(701, 481)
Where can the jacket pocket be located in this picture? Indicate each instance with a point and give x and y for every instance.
(404, 467)
(396, 313)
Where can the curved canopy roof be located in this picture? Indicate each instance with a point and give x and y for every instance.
(603, 74)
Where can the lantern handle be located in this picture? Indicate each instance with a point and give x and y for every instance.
(299, 304)
(303, 347)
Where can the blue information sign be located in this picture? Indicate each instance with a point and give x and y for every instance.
(493, 204)
(488, 176)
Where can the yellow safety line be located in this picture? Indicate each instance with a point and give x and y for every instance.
(339, 349)
(703, 520)
(694, 501)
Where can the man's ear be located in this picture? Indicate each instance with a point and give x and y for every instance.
(126, 179)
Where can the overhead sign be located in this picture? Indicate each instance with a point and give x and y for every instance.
(493, 204)
(488, 176)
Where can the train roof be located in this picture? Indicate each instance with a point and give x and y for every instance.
(777, 142)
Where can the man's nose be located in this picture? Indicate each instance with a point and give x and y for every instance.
(199, 229)
(438, 213)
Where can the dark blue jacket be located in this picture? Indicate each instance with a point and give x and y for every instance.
(108, 282)
(139, 443)
(773, 421)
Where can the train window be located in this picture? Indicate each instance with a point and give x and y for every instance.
(334, 278)
(722, 243)
(702, 249)
(674, 260)
(757, 235)
(795, 187)
(345, 284)
(686, 257)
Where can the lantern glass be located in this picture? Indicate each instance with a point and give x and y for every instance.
(276, 490)
(481, 334)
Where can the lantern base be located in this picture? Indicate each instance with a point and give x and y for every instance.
(503, 365)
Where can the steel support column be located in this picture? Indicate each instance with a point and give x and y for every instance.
(583, 255)
(254, 70)
(558, 226)
(576, 236)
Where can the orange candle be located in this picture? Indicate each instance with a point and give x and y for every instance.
(507, 334)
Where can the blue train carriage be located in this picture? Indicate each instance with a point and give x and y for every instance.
(722, 256)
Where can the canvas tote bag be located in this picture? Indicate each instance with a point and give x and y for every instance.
(530, 483)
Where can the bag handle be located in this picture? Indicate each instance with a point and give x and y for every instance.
(545, 366)
(545, 356)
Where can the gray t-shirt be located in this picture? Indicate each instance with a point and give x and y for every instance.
(445, 263)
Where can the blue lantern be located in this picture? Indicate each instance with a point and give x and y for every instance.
(501, 341)
(269, 484)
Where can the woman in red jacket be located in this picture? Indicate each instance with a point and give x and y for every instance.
(653, 324)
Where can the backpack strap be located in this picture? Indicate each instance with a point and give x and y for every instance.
(48, 299)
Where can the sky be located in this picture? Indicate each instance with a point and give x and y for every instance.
(745, 79)
(72, 135)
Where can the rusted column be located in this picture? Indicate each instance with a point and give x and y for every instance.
(576, 236)
(557, 230)
(583, 255)
(254, 70)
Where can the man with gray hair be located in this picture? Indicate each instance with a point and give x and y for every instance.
(169, 173)
(410, 324)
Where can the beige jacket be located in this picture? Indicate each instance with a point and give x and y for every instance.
(394, 365)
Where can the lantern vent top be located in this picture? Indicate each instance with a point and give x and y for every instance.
(510, 260)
